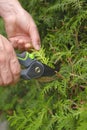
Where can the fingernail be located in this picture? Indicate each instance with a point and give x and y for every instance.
(28, 45)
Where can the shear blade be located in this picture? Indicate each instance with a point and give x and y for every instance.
(48, 71)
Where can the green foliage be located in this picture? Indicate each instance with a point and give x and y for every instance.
(59, 102)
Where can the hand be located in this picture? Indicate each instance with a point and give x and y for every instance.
(9, 66)
(22, 31)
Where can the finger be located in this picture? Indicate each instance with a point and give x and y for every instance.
(24, 44)
(30, 27)
(35, 37)
(6, 74)
(20, 44)
(33, 33)
(14, 66)
(17, 43)
(4, 65)
(28, 46)
(25, 47)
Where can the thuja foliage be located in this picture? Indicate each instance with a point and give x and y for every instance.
(58, 102)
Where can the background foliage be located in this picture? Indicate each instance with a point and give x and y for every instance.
(59, 102)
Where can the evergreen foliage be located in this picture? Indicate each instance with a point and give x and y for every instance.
(58, 102)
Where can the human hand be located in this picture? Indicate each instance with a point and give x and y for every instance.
(22, 31)
(20, 27)
(9, 66)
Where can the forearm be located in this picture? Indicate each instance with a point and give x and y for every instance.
(9, 7)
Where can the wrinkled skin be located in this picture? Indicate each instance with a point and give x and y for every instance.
(9, 65)
(22, 31)
(22, 34)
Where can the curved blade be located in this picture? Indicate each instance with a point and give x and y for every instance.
(48, 71)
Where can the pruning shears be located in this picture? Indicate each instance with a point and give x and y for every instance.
(32, 68)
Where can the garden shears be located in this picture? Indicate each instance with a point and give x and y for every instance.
(32, 68)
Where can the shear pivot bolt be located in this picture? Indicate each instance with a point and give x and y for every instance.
(37, 70)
